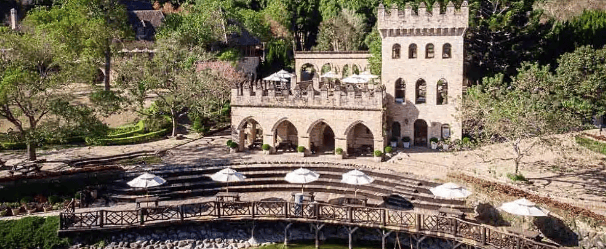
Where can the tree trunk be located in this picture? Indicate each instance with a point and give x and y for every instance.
(516, 149)
(107, 66)
(31, 151)
(173, 117)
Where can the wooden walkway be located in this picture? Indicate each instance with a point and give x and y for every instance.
(419, 225)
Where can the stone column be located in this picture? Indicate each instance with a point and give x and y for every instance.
(304, 141)
(13, 18)
(269, 139)
(341, 142)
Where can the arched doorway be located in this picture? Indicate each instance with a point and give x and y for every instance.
(420, 132)
(321, 138)
(395, 130)
(285, 136)
(251, 134)
(308, 72)
(360, 141)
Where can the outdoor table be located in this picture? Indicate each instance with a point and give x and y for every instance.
(350, 199)
(153, 199)
(307, 196)
(451, 212)
(536, 236)
(227, 196)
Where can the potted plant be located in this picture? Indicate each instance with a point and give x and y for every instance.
(394, 142)
(378, 156)
(445, 144)
(233, 147)
(265, 148)
(388, 150)
(339, 153)
(434, 143)
(301, 150)
(406, 142)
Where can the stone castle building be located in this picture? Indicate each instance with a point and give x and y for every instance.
(421, 82)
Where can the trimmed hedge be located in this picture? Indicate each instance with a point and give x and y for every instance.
(141, 138)
(32, 232)
(13, 146)
(127, 131)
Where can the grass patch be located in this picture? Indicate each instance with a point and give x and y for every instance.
(517, 177)
(140, 160)
(141, 138)
(591, 144)
(32, 232)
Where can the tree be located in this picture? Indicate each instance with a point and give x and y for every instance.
(33, 74)
(496, 112)
(374, 43)
(344, 32)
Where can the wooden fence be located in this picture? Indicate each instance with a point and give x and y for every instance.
(398, 220)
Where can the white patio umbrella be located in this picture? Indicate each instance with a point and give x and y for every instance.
(275, 77)
(523, 207)
(330, 75)
(228, 175)
(145, 181)
(368, 75)
(450, 191)
(284, 74)
(356, 177)
(355, 79)
(301, 176)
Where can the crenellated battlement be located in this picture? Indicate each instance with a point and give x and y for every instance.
(303, 95)
(395, 22)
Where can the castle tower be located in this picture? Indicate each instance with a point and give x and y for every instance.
(422, 55)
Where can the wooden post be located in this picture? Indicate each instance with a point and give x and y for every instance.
(419, 222)
(384, 217)
(252, 209)
(101, 218)
(483, 235)
(218, 208)
(351, 231)
(141, 216)
(181, 212)
(286, 234)
(350, 215)
(455, 229)
(286, 209)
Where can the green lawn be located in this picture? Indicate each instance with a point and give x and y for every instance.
(591, 144)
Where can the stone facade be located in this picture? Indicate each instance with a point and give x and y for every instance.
(422, 81)
(422, 71)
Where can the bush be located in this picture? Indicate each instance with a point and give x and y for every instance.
(77, 195)
(14, 146)
(378, 153)
(301, 149)
(229, 143)
(517, 177)
(388, 149)
(394, 139)
(433, 140)
(265, 147)
(32, 232)
(54, 199)
(127, 131)
(233, 145)
(339, 151)
(406, 139)
(26, 199)
(466, 140)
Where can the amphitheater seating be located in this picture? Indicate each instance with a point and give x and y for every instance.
(392, 189)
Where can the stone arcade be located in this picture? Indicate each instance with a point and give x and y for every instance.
(421, 83)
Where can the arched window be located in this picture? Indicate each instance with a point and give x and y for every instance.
(421, 90)
(445, 131)
(429, 53)
(442, 92)
(446, 51)
(412, 51)
(400, 91)
(395, 51)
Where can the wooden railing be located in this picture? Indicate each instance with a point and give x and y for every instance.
(434, 225)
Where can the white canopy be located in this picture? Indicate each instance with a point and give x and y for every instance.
(368, 75)
(330, 75)
(284, 74)
(523, 207)
(356, 177)
(275, 77)
(450, 191)
(146, 180)
(301, 176)
(356, 79)
(228, 175)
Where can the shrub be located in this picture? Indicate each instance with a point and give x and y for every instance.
(378, 153)
(32, 232)
(77, 195)
(265, 147)
(517, 177)
(466, 140)
(26, 199)
(229, 143)
(142, 138)
(301, 149)
(433, 140)
(406, 139)
(339, 151)
(14, 146)
(233, 145)
(127, 131)
(54, 199)
(394, 139)
(388, 149)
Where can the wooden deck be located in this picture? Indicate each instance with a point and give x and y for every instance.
(423, 225)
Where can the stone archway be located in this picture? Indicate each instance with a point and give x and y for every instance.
(360, 140)
(250, 134)
(286, 136)
(308, 72)
(420, 133)
(321, 138)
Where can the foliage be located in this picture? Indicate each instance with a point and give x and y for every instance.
(378, 153)
(128, 130)
(265, 147)
(433, 140)
(32, 232)
(373, 42)
(343, 32)
(231, 55)
(388, 149)
(406, 139)
(106, 102)
(141, 138)
(591, 144)
(233, 145)
(54, 199)
(277, 56)
(229, 142)
(301, 148)
(338, 151)
(517, 177)
(26, 199)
